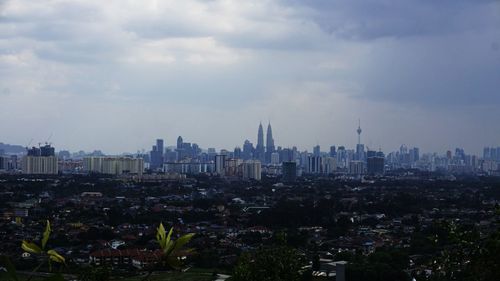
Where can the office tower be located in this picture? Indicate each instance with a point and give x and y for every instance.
(341, 157)
(317, 150)
(375, 163)
(156, 155)
(232, 167)
(179, 142)
(329, 165)
(196, 150)
(333, 151)
(314, 165)
(286, 155)
(237, 153)
(113, 165)
(371, 153)
(260, 149)
(289, 171)
(269, 143)
(275, 158)
(252, 170)
(40, 161)
(220, 164)
(356, 168)
(248, 150)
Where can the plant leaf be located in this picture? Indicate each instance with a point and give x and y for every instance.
(31, 247)
(170, 234)
(160, 235)
(53, 255)
(183, 240)
(46, 234)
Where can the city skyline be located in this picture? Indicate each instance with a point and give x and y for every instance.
(265, 139)
(264, 146)
(113, 76)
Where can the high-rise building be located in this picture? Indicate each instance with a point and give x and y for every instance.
(179, 142)
(317, 150)
(237, 153)
(252, 170)
(333, 151)
(356, 168)
(260, 149)
(156, 155)
(47, 150)
(314, 165)
(360, 152)
(111, 165)
(40, 161)
(289, 171)
(269, 143)
(329, 165)
(375, 164)
(275, 158)
(248, 150)
(220, 164)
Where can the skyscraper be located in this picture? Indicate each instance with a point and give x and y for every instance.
(156, 155)
(260, 150)
(269, 143)
(317, 150)
(248, 150)
(179, 142)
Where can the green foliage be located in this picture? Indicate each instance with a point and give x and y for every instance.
(51, 255)
(171, 248)
(470, 259)
(278, 263)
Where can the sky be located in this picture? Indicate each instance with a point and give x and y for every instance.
(116, 75)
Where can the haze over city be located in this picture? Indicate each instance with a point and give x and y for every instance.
(115, 75)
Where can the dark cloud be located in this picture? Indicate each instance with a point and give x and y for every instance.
(373, 19)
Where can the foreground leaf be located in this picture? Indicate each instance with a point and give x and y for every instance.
(183, 240)
(46, 234)
(54, 256)
(31, 247)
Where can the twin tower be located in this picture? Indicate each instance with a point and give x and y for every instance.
(263, 153)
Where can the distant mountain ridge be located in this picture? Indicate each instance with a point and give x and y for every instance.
(12, 148)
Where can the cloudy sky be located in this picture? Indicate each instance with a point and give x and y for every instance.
(116, 75)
